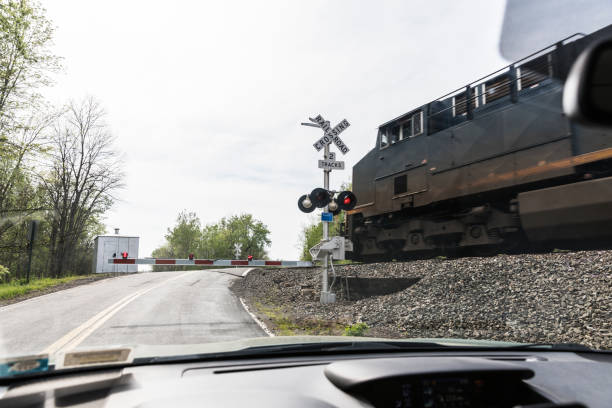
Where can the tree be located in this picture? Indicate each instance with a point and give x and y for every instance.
(251, 234)
(25, 65)
(83, 176)
(216, 240)
(186, 236)
(15, 171)
(21, 198)
(25, 60)
(311, 236)
(219, 239)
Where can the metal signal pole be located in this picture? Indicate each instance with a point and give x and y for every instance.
(325, 225)
(329, 161)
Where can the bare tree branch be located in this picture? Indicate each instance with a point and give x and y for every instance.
(83, 175)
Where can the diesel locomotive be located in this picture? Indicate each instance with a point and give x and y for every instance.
(493, 163)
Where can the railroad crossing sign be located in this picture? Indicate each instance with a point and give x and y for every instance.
(331, 165)
(327, 164)
(237, 248)
(331, 135)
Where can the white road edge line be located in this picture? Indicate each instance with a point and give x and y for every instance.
(76, 336)
(245, 273)
(259, 322)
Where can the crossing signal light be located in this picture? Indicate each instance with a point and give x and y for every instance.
(191, 257)
(346, 200)
(124, 255)
(320, 197)
(333, 207)
(305, 205)
(250, 258)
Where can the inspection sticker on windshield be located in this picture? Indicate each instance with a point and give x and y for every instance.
(24, 365)
(97, 357)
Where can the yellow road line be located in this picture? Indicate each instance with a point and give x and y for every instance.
(76, 336)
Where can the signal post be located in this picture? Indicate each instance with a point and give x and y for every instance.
(324, 198)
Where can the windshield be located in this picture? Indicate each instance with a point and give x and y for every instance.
(152, 156)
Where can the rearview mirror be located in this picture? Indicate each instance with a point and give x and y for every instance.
(587, 95)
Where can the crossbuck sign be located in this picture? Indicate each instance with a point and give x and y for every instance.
(331, 135)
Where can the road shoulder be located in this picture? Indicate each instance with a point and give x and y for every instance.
(55, 288)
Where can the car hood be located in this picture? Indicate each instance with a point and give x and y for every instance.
(125, 354)
(143, 351)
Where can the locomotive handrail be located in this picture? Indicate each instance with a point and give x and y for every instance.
(509, 68)
(504, 83)
(552, 46)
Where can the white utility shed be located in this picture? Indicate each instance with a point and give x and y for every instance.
(109, 246)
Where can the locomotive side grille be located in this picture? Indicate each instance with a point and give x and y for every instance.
(497, 88)
(460, 103)
(400, 184)
(531, 73)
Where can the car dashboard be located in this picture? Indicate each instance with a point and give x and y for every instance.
(423, 379)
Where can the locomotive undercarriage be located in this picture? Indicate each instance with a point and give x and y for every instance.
(578, 214)
(400, 234)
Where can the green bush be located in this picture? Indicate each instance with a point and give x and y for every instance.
(5, 275)
(357, 329)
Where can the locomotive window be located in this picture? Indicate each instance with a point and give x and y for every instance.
(395, 134)
(384, 139)
(400, 184)
(413, 126)
(407, 129)
(417, 120)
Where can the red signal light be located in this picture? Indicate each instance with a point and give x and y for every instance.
(124, 255)
(191, 257)
(347, 200)
(250, 258)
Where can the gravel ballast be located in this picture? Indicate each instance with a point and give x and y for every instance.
(553, 297)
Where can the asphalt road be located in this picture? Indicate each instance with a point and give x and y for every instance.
(146, 308)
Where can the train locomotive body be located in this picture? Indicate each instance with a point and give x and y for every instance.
(482, 166)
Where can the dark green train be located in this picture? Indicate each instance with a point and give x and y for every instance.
(488, 165)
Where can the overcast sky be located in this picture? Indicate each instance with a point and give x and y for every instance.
(206, 98)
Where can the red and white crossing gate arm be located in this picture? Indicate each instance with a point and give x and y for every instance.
(213, 262)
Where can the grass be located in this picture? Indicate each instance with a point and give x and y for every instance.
(285, 326)
(17, 288)
(357, 329)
